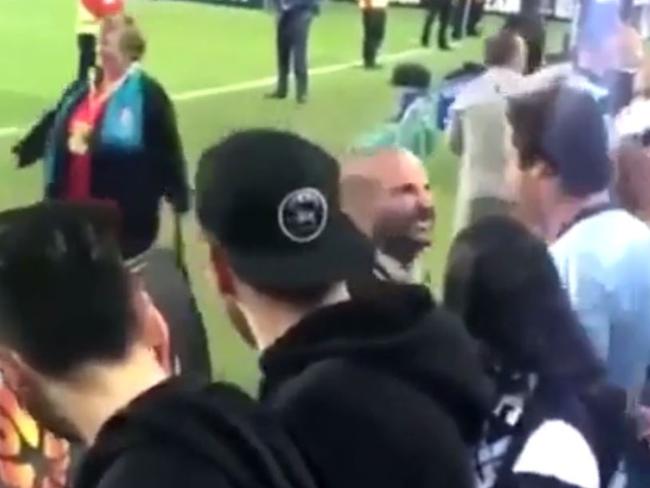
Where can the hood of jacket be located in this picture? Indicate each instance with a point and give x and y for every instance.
(400, 332)
(218, 425)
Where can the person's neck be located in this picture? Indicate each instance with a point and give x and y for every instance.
(404, 252)
(105, 389)
(112, 73)
(566, 210)
(270, 320)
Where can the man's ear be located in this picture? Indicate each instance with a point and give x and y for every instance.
(222, 270)
(154, 330)
(13, 368)
(542, 170)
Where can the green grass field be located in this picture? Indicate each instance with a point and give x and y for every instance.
(195, 47)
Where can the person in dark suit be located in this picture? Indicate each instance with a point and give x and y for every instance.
(435, 8)
(293, 24)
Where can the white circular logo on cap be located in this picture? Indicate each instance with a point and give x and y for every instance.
(302, 215)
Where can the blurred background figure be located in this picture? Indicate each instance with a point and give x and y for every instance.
(373, 13)
(628, 51)
(387, 194)
(477, 130)
(114, 140)
(89, 16)
(552, 400)
(633, 178)
(294, 19)
(529, 24)
(633, 122)
(413, 124)
(443, 10)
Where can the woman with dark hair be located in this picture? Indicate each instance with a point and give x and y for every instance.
(546, 427)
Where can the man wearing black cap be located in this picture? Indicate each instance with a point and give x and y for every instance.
(373, 393)
(561, 175)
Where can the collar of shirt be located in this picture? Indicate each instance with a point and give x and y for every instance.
(387, 268)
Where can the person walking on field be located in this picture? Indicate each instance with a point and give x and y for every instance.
(294, 18)
(374, 28)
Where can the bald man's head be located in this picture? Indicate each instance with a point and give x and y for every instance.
(387, 194)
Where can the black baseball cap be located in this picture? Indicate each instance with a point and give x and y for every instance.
(271, 199)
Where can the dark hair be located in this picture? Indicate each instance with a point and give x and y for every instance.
(502, 281)
(304, 296)
(501, 48)
(564, 128)
(65, 297)
(412, 75)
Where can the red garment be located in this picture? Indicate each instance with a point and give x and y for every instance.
(80, 130)
(102, 8)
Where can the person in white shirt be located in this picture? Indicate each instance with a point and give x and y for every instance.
(477, 128)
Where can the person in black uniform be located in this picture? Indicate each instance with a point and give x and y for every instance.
(435, 7)
(293, 24)
(529, 24)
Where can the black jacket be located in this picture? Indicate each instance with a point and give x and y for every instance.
(597, 414)
(383, 392)
(180, 434)
(135, 180)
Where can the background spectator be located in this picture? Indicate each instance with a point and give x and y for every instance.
(115, 140)
(478, 125)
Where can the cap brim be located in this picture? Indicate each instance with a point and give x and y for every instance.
(342, 252)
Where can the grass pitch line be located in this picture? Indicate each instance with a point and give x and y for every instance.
(270, 81)
(8, 131)
(256, 84)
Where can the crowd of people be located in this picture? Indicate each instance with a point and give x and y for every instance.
(528, 371)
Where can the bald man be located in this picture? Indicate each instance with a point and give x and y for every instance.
(387, 195)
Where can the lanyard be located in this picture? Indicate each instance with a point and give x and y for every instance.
(585, 214)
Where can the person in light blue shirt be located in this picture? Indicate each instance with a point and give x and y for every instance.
(561, 173)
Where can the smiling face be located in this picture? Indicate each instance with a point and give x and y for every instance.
(405, 213)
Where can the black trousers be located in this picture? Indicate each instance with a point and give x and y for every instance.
(475, 16)
(442, 8)
(458, 19)
(532, 29)
(87, 44)
(292, 42)
(374, 29)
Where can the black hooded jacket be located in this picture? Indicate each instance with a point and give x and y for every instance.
(382, 392)
(184, 434)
